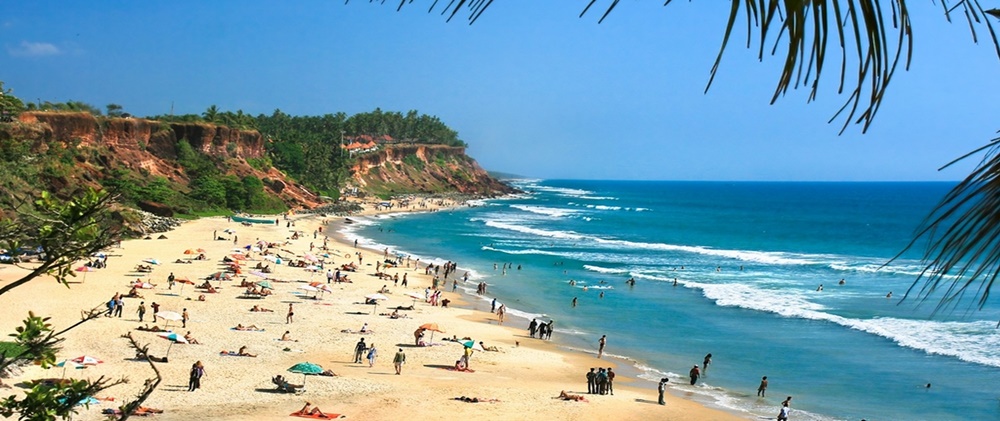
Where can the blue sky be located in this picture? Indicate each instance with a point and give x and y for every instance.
(531, 87)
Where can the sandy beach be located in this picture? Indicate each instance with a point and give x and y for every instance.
(524, 376)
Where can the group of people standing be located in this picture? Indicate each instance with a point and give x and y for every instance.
(543, 329)
(601, 382)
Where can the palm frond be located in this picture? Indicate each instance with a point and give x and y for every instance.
(962, 237)
(871, 37)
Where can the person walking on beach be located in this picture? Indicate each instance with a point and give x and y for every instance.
(660, 388)
(184, 318)
(532, 327)
(372, 354)
(156, 309)
(359, 350)
(119, 307)
(600, 345)
(197, 371)
(289, 318)
(111, 305)
(591, 381)
(763, 387)
(141, 310)
(548, 329)
(694, 373)
(399, 360)
(705, 363)
(170, 281)
(783, 412)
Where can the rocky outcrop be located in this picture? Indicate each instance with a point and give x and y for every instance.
(425, 169)
(150, 147)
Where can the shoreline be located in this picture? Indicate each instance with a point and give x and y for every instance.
(629, 369)
(524, 378)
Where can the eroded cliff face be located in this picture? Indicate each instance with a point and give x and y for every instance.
(151, 147)
(424, 169)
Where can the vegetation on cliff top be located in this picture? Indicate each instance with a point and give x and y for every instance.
(307, 149)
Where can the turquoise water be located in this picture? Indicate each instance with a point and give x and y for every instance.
(748, 258)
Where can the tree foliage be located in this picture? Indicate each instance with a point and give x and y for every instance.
(59, 232)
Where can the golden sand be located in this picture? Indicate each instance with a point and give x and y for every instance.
(524, 380)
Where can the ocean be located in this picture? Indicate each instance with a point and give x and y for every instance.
(748, 259)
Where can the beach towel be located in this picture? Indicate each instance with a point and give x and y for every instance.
(231, 354)
(317, 416)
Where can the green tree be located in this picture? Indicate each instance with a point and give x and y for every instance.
(10, 105)
(65, 232)
(114, 110)
(209, 190)
(211, 114)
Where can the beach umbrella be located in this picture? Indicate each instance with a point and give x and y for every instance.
(306, 368)
(310, 288)
(238, 256)
(169, 316)
(189, 251)
(313, 268)
(271, 258)
(220, 275)
(68, 363)
(201, 250)
(415, 297)
(173, 338)
(433, 327)
(376, 298)
(184, 280)
(473, 345)
(85, 269)
(87, 360)
(265, 284)
(259, 273)
(310, 258)
(151, 261)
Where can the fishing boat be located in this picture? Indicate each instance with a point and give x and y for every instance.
(237, 218)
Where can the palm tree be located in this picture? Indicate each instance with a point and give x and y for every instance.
(963, 231)
(211, 114)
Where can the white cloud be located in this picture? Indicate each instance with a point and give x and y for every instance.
(33, 49)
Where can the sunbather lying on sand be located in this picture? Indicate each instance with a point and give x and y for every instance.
(489, 348)
(251, 327)
(571, 397)
(142, 410)
(258, 308)
(475, 400)
(146, 328)
(357, 331)
(308, 409)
